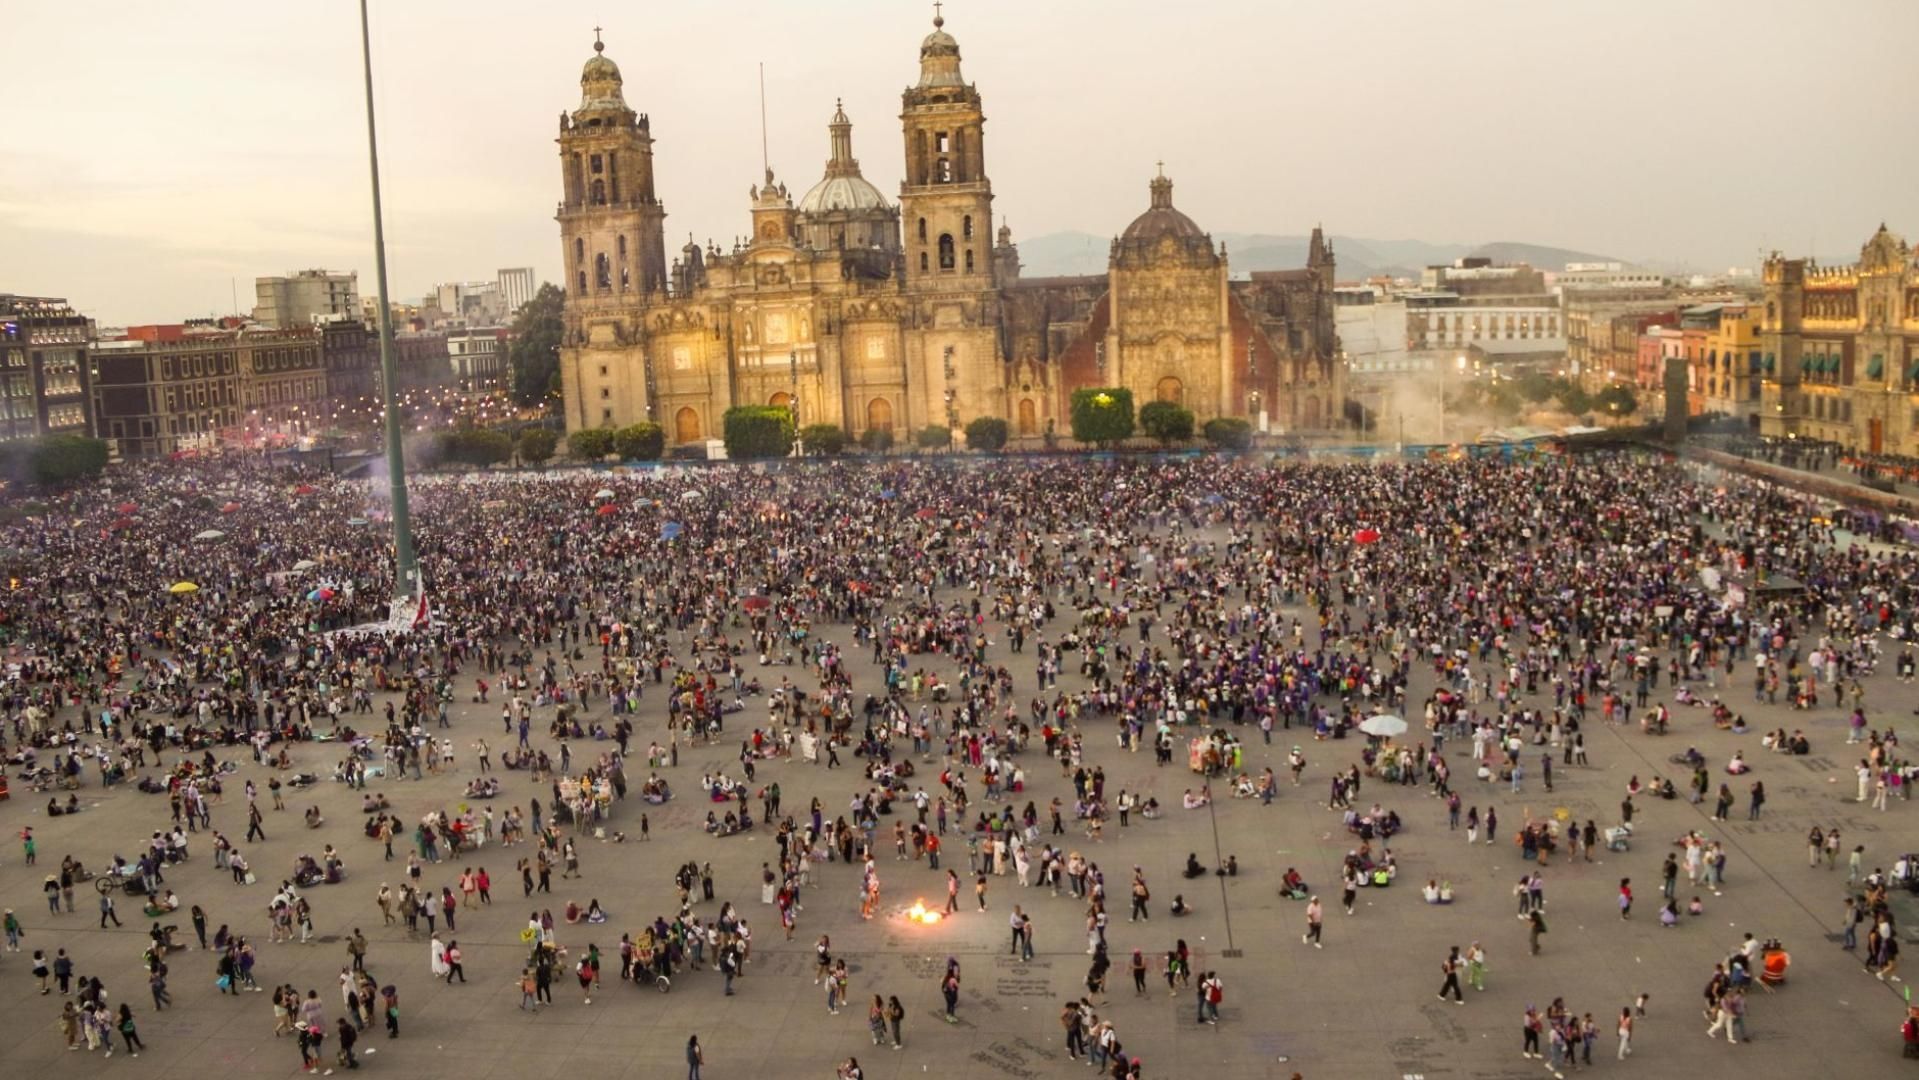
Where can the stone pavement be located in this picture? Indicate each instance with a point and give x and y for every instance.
(1362, 1007)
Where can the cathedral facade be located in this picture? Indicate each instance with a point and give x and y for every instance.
(864, 313)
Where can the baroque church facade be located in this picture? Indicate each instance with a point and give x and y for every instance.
(864, 313)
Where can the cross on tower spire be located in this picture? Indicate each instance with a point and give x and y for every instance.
(938, 19)
(598, 45)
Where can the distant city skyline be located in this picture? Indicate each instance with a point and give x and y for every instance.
(188, 156)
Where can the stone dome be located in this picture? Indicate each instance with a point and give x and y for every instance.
(600, 82)
(1161, 219)
(940, 59)
(842, 193)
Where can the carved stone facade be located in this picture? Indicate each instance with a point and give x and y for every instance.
(1840, 349)
(868, 315)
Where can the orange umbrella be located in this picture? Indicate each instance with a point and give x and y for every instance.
(1366, 536)
(607, 509)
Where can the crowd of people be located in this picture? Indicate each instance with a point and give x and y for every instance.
(1214, 601)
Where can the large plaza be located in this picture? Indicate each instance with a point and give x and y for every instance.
(1208, 563)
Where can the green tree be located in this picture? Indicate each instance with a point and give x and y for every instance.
(590, 444)
(535, 350)
(758, 431)
(1616, 400)
(537, 445)
(1229, 432)
(986, 433)
(1574, 400)
(1166, 421)
(639, 442)
(934, 437)
(53, 460)
(824, 440)
(1538, 387)
(1102, 414)
(877, 440)
(474, 446)
(1503, 400)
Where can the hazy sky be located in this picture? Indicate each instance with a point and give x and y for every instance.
(157, 152)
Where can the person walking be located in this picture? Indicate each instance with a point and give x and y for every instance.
(1625, 1032)
(1537, 928)
(1314, 918)
(454, 967)
(129, 1032)
(695, 1057)
(1476, 967)
(348, 1036)
(1450, 966)
(107, 912)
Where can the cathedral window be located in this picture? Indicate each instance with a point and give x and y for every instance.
(946, 251)
(602, 271)
(922, 262)
(944, 174)
(626, 279)
(969, 260)
(941, 143)
(579, 250)
(599, 165)
(966, 227)
(922, 230)
(599, 193)
(622, 247)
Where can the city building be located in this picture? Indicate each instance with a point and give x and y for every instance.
(352, 359)
(1721, 343)
(1609, 276)
(43, 365)
(1477, 275)
(478, 356)
(1599, 348)
(1372, 329)
(517, 285)
(1839, 349)
(305, 297)
(1443, 319)
(420, 358)
(161, 393)
(467, 303)
(1656, 345)
(868, 314)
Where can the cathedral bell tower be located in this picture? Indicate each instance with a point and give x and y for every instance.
(946, 201)
(611, 223)
(954, 369)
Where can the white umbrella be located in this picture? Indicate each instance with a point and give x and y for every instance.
(305, 564)
(1384, 725)
(210, 534)
(690, 495)
(603, 493)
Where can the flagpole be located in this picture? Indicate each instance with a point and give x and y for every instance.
(406, 578)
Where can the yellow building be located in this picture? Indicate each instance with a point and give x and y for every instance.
(1840, 349)
(865, 314)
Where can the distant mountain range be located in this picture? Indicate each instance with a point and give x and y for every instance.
(1075, 253)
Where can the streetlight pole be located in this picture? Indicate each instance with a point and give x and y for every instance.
(406, 578)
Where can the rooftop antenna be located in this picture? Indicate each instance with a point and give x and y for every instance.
(765, 162)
